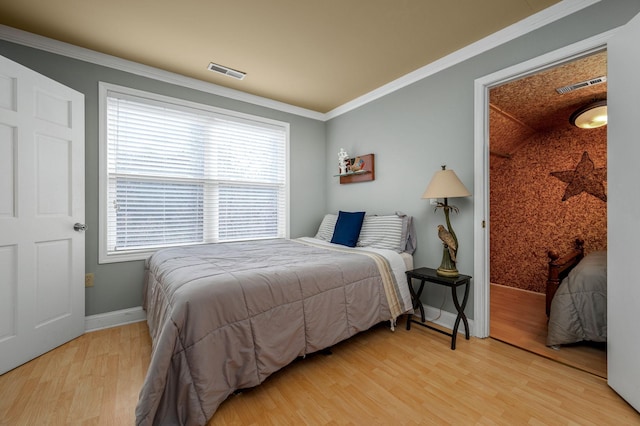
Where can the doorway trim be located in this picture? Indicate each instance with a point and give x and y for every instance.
(482, 86)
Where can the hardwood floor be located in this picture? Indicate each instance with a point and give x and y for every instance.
(377, 377)
(92, 380)
(518, 318)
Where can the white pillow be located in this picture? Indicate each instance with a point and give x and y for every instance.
(325, 231)
(383, 232)
(393, 232)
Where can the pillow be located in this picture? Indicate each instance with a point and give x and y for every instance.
(391, 232)
(328, 224)
(382, 232)
(347, 228)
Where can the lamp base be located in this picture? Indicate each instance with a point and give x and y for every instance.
(447, 267)
(451, 273)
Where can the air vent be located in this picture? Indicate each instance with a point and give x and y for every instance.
(226, 71)
(582, 84)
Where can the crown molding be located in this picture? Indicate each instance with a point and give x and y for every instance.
(533, 22)
(87, 55)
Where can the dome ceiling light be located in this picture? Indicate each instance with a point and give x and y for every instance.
(590, 116)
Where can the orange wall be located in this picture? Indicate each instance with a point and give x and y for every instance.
(528, 216)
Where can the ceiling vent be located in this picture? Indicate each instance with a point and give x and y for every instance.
(226, 71)
(582, 84)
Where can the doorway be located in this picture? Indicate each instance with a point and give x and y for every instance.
(534, 152)
(516, 142)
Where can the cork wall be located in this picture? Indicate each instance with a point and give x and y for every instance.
(546, 191)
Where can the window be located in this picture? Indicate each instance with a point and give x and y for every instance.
(174, 172)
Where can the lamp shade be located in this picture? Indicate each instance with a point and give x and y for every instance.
(445, 184)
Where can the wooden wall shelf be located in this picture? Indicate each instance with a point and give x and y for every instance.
(368, 172)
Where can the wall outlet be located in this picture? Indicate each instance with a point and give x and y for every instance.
(88, 280)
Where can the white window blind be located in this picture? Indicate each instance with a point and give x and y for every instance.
(187, 174)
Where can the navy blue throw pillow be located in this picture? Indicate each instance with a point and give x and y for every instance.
(347, 228)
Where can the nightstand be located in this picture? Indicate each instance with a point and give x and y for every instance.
(428, 275)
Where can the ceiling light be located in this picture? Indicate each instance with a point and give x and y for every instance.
(221, 69)
(590, 116)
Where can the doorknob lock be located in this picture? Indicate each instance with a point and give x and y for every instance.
(79, 227)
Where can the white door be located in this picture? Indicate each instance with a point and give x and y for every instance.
(41, 198)
(623, 176)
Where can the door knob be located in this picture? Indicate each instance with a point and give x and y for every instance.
(79, 227)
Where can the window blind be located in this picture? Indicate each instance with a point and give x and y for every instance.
(178, 174)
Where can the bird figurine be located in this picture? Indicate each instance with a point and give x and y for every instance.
(358, 164)
(449, 241)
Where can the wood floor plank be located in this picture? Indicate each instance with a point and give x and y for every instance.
(518, 318)
(377, 377)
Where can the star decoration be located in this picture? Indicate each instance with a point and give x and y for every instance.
(585, 178)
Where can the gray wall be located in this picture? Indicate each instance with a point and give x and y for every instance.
(416, 129)
(119, 285)
(412, 132)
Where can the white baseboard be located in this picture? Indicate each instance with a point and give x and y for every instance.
(131, 315)
(114, 319)
(445, 319)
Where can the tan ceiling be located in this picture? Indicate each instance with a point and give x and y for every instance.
(312, 54)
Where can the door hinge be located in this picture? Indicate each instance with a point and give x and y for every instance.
(484, 224)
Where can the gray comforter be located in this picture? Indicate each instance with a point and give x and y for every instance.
(224, 317)
(579, 307)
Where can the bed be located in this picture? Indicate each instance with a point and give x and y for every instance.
(577, 306)
(224, 317)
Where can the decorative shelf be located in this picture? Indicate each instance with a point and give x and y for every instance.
(359, 172)
(367, 173)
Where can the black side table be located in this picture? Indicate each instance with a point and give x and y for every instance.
(430, 275)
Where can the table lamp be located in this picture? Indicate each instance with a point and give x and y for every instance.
(445, 184)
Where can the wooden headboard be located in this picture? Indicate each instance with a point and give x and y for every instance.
(559, 268)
